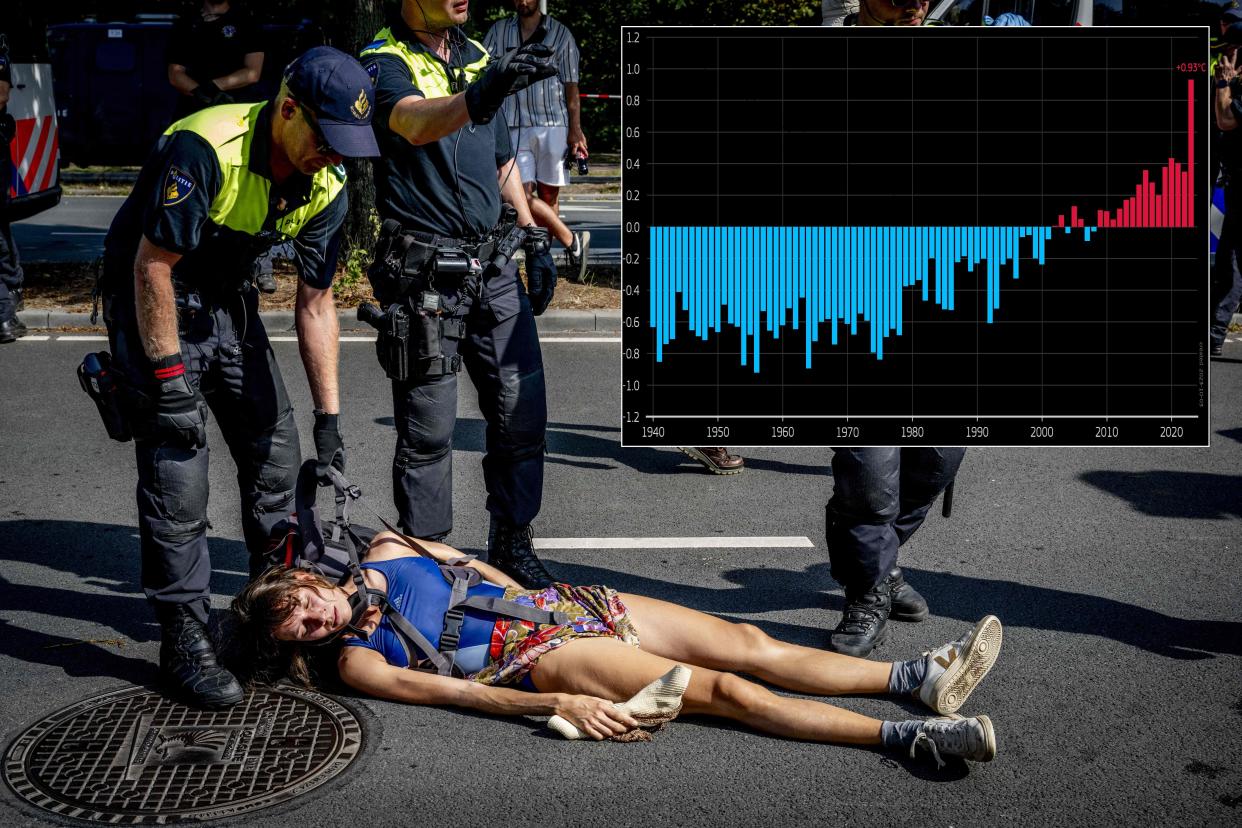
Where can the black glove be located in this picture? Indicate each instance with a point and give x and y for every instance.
(180, 410)
(516, 70)
(540, 269)
(328, 445)
(208, 94)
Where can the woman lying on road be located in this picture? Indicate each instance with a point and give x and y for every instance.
(578, 670)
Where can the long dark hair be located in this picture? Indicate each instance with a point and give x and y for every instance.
(266, 603)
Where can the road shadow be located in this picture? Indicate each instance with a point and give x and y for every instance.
(597, 447)
(1232, 434)
(765, 590)
(1177, 494)
(105, 558)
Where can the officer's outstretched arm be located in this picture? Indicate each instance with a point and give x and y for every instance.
(423, 120)
(318, 343)
(155, 300)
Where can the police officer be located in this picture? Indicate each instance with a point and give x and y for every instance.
(212, 54)
(888, 13)
(445, 167)
(1227, 272)
(220, 187)
(11, 328)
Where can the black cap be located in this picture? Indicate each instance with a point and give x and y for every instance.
(339, 91)
(1231, 14)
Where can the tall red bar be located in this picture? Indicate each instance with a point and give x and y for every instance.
(1190, 149)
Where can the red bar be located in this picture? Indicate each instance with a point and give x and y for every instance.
(1190, 151)
(1177, 194)
(1074, 216)
(1164, 195)
(1061, 220)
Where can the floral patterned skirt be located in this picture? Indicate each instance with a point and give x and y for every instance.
(594, 612)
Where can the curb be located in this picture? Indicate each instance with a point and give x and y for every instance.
(554, 321)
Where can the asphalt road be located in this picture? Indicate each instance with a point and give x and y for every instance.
(1116, 572)
(74, 230)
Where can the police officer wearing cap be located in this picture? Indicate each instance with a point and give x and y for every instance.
(1227, 271)
(220, 187)
(11, 328)
(446, 166)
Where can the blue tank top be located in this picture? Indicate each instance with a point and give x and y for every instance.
(418, 590)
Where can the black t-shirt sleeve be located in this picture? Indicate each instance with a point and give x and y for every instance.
(250, 35)
(180, 43)
(315, 247)
(185, 182)
(504, 151)
(392, 84)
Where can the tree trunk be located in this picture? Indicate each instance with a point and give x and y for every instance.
(356, 24)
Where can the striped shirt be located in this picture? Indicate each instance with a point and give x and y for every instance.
(542, 103)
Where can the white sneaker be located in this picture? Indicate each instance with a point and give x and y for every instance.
(954, 670)
(973, 739)
(576, 256)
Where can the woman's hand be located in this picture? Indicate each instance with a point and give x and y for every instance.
(597, 718)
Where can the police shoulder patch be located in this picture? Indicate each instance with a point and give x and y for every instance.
(373, 72)
(177, 186)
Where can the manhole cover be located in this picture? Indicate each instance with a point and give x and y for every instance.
(133, 756)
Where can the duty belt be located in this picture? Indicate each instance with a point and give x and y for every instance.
(427, 243)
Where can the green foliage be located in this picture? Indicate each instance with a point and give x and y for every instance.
(597, 28)
(358, 257)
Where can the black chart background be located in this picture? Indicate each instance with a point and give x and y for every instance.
(1106, 344)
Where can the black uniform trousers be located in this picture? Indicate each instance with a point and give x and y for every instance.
(228, 357)
(11, 276)
(1227, 271)
(500, 352)
(880, 497)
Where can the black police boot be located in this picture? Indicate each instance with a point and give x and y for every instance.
(907, 604)
(12, 330)
(512, 551)
(864, 621)
(188, 662)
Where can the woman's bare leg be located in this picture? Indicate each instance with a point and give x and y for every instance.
(695, 638)
(611, 669)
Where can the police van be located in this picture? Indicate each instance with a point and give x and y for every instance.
(34, 185)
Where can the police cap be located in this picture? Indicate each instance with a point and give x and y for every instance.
(339, 91)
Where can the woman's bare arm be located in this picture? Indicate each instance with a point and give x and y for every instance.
(367, 671)
(389, 545)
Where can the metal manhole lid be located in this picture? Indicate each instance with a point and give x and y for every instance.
(134, 757)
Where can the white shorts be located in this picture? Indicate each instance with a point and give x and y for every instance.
(541, 154)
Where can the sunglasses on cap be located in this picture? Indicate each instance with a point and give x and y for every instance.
(321, 141)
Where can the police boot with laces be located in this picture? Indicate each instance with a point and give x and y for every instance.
(12, 330)
(512, 551)
(908, 605)
(188, 662)
(864, 622)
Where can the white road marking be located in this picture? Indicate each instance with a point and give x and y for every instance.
(32, 338)
(580, 339)
(718, 542)
(81, 338)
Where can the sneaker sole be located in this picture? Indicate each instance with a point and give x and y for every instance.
(956, 684)
(703, 458)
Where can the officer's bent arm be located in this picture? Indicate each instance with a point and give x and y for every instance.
(1226, 110)
(423, 120)
(180, 79)
(511, 191)
(319, 344)
(4, 94)
(155, 300)
(245, 76)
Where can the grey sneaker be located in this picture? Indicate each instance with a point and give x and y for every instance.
(576, 256)
(972, 739)
(955, 669)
